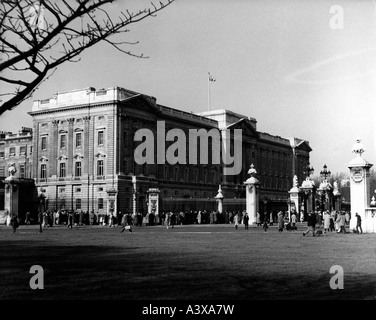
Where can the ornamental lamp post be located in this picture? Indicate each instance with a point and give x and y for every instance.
(325, 187)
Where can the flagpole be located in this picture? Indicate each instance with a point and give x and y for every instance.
(209, 91)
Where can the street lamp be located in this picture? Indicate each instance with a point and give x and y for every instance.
(325, 173)
(324, 186)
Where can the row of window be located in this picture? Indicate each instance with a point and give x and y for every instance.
(78, 203)
(77, 169)
(78, 140)
(21, 170)
(63, 122)
(12, 151)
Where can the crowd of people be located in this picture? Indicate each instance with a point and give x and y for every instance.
(317, 222)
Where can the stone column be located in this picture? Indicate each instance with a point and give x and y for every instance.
(86, 145)
(134, 194)
(52, 148)
(308, 190)
(69, 146)
(219, 198)
(359, 186)
(252, 194)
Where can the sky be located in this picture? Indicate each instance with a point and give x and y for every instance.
(302, 68)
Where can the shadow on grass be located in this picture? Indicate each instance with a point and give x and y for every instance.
(110, 272)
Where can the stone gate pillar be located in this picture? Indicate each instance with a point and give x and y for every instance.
(294, 196)
(359, 185)
(153, 201)
(219, 198)
(252, 194)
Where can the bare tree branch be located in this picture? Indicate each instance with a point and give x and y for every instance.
(38, 36)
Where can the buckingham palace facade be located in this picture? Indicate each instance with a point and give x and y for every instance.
(82, 154)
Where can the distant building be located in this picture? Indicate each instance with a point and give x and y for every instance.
(17, 148)
(83, 144)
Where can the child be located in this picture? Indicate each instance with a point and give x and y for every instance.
(265, 226)
(331, 224)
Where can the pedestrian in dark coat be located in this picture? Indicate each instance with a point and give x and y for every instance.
(14, 222)
(70, 219)
(281, 221)
(40, 220)
(311, 223)
(358, 223)
(246, 220)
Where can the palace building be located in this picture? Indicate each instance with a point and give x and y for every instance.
(80, 153)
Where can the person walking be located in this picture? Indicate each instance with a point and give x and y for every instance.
(14, 222)
(27, 218)
(327, 221)
(311, 224)
(258, 220)
(167, 219)
(70, 219)
(40, 221)
(281, 221)
(246, 220)
(341, 221)
(270, 219)
(358, 223)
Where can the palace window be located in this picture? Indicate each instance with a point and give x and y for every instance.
(63, 141)
(100, 168)
(77, 169)
(100, 203)
(78, 140)
(2, 171)
(22, 170)
(43, 171)
(62, 170)
(78, 204)
(100, 138)
(12, 151)
(23, 150)
(44, 143)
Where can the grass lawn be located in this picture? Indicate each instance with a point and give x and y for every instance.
(188, 262)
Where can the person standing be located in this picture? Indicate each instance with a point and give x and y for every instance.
(311, 224)
(358, 223)
(14, 222)
(341, 221)
(40, 221)
(167, 219)
(293, 221)
(236, 220)
(281, 221)
(326, 221)
(199, 217)
(27, 218)
(258, 220)
(125, 224)
(246, 220)
(270, 219)
(70, 219)
(265, 225)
